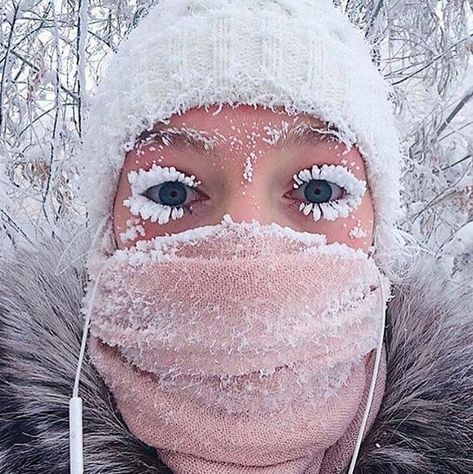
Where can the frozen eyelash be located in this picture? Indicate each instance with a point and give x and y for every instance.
(144, 179)
(342, 177)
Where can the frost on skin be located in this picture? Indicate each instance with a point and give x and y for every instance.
(162, 248)
(358, 233)
(134, 229)
(275, 134)
(231, 189)
(142, 180)
(248, 172)
(339, 175)
(165, 138)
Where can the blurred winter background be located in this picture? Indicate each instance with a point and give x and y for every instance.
(52, 54)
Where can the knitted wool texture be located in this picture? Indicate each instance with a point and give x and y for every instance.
(241, 349)
(304, 56)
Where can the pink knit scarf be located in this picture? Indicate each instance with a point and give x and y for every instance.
(241, 349)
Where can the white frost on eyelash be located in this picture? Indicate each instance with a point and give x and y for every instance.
(340, 176)
(134, 229)
(144, 179)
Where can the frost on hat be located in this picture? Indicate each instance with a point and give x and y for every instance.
(304, 56)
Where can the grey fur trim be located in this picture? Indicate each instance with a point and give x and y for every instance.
(40, 335)
(425, 424)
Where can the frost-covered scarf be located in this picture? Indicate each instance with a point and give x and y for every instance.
(241, 348)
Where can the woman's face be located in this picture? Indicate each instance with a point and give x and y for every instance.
(242, 161)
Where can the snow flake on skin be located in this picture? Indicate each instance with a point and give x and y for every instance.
(166, 140)
(248, 171)
(358, 233)
(134, 229)
(235, 142)
(275, 133)
(165, 137)
(252, 136)
(219, 109)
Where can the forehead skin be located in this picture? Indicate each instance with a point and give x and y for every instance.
(247, 139)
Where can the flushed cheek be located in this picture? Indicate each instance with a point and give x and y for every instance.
(357, 229)
(341, 230)
(130, 229)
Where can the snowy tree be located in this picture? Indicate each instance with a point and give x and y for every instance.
(52, 54)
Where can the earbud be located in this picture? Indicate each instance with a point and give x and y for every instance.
(75, 436)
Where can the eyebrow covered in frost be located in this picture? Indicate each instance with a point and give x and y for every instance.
(202, 142)
(179, 138)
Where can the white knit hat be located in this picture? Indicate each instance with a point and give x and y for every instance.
(303, 55)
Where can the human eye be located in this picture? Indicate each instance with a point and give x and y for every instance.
(161, 193)
(328, 192)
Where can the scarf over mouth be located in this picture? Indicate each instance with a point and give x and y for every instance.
(241, 348)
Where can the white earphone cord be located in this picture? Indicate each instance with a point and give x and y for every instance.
(374, 377)
(75, 403)
(76, 455)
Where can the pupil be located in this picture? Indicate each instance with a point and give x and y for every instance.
(318, 191)
(172, 194)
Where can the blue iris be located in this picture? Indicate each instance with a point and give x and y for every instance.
(318, 191)
(172, 193)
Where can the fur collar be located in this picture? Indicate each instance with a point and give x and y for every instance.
(425, 424)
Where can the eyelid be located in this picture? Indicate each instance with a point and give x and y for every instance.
(336, 174)
(142, 179)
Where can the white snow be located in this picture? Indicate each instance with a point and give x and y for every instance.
(248, 171)
(358, 233)
(162, 248)
(134, 229)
